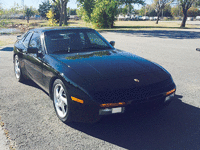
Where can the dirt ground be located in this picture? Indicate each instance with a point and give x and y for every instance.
(7, 39)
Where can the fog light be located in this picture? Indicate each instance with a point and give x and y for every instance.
(169, 97)
(105, 111)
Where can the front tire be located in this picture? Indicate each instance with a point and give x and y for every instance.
(61, 101)
(17, 69)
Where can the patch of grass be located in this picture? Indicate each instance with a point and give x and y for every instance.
(136, 25)
(14, 23)
(149, 25)
(79, 23)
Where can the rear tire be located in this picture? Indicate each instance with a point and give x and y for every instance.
(61, 101)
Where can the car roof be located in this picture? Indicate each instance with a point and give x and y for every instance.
(44, 29)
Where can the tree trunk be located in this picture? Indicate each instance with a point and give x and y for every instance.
(60, 6)
(112, 25)
(61, 19)
(184, 18)
(158, 16)
(65, 13)
(28, 19)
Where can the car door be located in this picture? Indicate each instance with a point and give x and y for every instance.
(22, 47)
(35, 59)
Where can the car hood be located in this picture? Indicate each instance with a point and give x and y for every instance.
(114, 70)
(111, 65)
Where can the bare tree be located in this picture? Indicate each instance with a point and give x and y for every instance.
(159, 6)
(186, 4)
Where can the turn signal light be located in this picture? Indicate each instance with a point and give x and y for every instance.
(77, 100)
(112, 104)
(170, 92)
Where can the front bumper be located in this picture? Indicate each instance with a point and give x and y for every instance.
(155, 102)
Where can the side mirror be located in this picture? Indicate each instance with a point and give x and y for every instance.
(19, 37)
(112, 43)
(32, 50)
(198, 49)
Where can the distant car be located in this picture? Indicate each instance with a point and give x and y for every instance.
(155, 18)
(86, 77)
(190, 18)
(145, 18)
(140, 18)
(121, 18)
(151, 18)
(197, 17)
(128, 17)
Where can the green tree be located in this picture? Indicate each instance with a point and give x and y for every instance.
(56, 12)
(44, 8)
(142, 11)
(192, 11)
(150, 10)
(104, 14)
(167, 11)
(176, 11)
(28, 13)
(101, 13)
(71, 11)
(86, 8)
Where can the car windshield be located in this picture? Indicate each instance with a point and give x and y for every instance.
(73, 41)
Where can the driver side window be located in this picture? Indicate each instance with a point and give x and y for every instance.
(35, 41)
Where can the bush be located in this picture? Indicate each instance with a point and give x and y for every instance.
(104, 13)
(50, 15)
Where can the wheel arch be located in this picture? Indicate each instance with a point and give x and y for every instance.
(14, 57)
(51, 85)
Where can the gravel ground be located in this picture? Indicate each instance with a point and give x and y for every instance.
(28, 114)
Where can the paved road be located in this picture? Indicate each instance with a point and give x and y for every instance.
(28, 113)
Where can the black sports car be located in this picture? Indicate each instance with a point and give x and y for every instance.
(86, 77)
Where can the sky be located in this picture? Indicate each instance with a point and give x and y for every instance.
(6, 4)
(35, 3)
